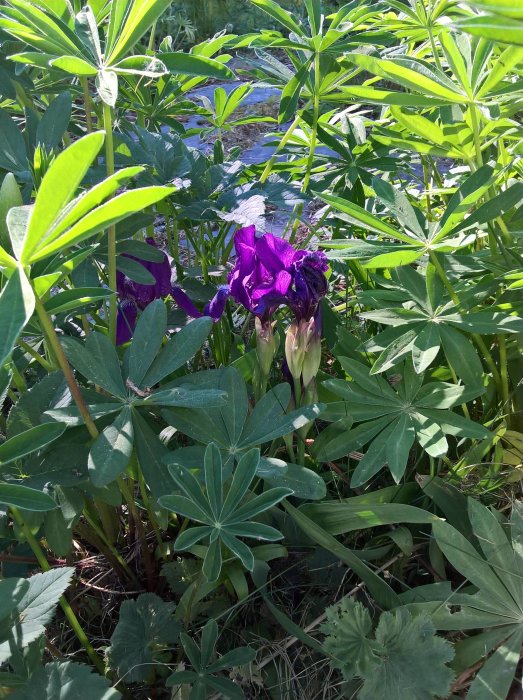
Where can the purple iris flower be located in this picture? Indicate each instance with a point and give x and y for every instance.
(270, 272)
(214, 308)
(134, 296)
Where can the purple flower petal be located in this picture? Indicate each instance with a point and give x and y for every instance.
(183, 301)
(216, 306)
(125, 321)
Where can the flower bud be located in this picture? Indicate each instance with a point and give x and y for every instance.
(265, 345)
(312, 359)
(296, 340)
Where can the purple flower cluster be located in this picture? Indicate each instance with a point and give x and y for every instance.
(269, 272)
(134, 296)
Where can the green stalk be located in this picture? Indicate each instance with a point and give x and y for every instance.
(476, 132)
(52, 339)
(64, 604)
(285, 139)
(505, 390)
(315, 119)
(35, 355)
(84, 82)
(133, 511)
(475, 336)
(111, 231)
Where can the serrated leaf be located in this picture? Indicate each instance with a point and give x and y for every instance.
(36, 608)
(144, 625)
(66, 681)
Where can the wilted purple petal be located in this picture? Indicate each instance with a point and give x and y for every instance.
(216, 306)
(125, 321)
(183, 301)
(309, 284)
(161, 272)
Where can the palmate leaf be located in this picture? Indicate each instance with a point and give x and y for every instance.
(235, 432)
(405, 660)
(423, 320)
(145, 626)
(493, 562)
(391, 421)
(203, 679)
(66, 681)
(225, 517)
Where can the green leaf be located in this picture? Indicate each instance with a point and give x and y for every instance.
(213, 479)
(398, 447)
(494, 679)
(405, 659)
(139, 17)
(73, 299)
(74, 65)
(17, 304)
(243, 475)
(102, 217)
(340, 517)
(112, 450)
(10, 196)
(363, 219)
(425, 347)
(285, 18)
(65, 681)
(13, 156)
(145, 626)
(147, 340)
(397, 203)
(178, 350)
(461, 355)
(379, 589)
(25, 498)
(462, 555)
(291, 93)
(58, 187)
(303, 482)
(178, 62)
(35, 609)
(97, 360)
(151, 453)
(495, 28)
(55, 121)
(30, 441)
(418, 79)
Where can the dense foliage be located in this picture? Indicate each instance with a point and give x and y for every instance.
(242, 462)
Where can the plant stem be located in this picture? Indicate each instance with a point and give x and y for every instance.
(35, 355)
(52, 339)
(68, 611)
(111, 231)
(285, 139)
(146, 554)
(315, 118)
(476, 337)
(476, 132)
(505, 390)
(84, 82)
